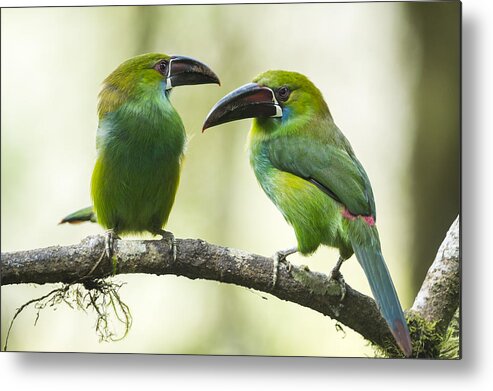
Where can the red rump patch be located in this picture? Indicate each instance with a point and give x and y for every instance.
(370, 220)
(347, 214)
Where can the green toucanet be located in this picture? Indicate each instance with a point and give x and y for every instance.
(309, 170)
(140, 143)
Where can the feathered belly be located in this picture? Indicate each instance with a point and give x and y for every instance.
(136, 175)
(315, 217)
(134, 192)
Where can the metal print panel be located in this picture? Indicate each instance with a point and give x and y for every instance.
(267, 179)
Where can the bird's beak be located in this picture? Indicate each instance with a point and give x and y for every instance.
(184, 71)
(248, 101)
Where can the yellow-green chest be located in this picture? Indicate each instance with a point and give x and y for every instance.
(315, 217)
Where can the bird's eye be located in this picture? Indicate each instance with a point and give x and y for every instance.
(162, 67)
(283, 93)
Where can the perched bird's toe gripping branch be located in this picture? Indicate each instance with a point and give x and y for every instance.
(336, 271)
(109, 242)
(309, 170)
(281, 256)
(167, 235)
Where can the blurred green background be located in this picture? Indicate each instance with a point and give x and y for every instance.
(390, 74)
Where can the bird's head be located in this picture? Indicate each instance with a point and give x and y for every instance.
(274, 97)
(152, 73)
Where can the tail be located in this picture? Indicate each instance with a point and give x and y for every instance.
(366, 246)
(86, 214)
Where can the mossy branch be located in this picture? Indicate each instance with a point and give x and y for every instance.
(199, 259)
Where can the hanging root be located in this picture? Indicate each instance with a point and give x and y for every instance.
(99, 295)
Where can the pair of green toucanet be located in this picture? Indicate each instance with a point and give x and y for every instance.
(300, 157)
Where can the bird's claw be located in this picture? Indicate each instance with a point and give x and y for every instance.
(337, 276)
(166, 235)
(109, 243)
(281, 257)
(109, 247)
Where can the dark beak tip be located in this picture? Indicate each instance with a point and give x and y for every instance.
(215, 79)
(207, 124)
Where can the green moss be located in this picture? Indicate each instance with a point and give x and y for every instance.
(427, 341)
(114, 264)
(450, 347)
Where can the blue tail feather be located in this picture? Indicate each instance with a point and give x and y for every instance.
(371, 260)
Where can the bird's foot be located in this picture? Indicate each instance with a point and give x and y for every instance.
(109, 243)
(337, 276)
(109, 247)
(166, 235)
(281, 256)
(336, 270)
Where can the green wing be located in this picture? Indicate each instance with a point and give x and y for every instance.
(332, 169)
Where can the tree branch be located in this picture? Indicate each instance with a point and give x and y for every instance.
(199, 259)
(439, 296)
